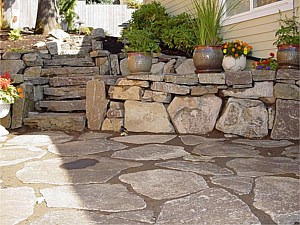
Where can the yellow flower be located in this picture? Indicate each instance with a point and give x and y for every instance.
(224, 51)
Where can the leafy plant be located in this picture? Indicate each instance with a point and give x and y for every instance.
(288, 32)
(133, 4)
(14, 34)
(66, 8)
(266, 64)
(8, 92)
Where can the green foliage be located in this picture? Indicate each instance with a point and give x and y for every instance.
(66, 8)
(85, 30)
(99, 1)
(288, 33)
(141, 40)
(177, 33)
(133, 4)
(21, 49)
(14, 34)
(4, 24)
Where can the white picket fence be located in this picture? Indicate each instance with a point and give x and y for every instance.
(108, 17)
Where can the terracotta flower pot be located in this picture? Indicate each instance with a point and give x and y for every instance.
(288, 56)
(139, 63)
(208, 59)
(234, 64)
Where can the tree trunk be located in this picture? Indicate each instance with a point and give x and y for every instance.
(47, 17)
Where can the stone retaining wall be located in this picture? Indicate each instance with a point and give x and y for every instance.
(64, 91)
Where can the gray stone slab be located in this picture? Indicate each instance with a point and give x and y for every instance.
(86, 147)
(145, 139)
(93, 135)
(164, 184)
(202, 168)
(17, 204)
(40, 139)
(225, 150)
(104, 197)
(292, 151)
(80, 217)
(197, 158)
(264, 143)
(255, 167)
(12, 155)
(278, 197)
(209, 206)
(240, 185)
(195, 140)
(151, 152)
(73, 170)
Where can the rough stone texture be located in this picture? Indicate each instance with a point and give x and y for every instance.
(195, 115)
(260, 90)
(98, 34)
(17, 78)
(67, 60)
(286, 91)
(245, 117)
(37, 80)
(241, 86)
(57, 121)
(34, 71)
(125, 92)
(112, 124)
(104, 197)
(65, 92)
(186, 79)
(16, 154)
(187, 67)
(104, 65)
(115, 113)
(264, 143)
(211, 78)
(96, 104)
(32, 59)
(287, 120)
(93, 135)
(64, 106)
(271, 114)
(292, 151)
(12, 66)
(202, 168)
(203, 90)
(240, 185)
(116, 105)
(286, 81)
(67, 71)
(54, 47)
(69, 81)
(38, 93)
(175, 183)
(269, 191)
(126, 82)
(289, 74)
(145, 139)
(225, 150)
(263, 75)
(155, 96)
(69, 171)
(157, 68)
(97, 45)
(99, 53)
(150, 77)
(151, 152)
(255, 167)
(11, 55)
(169, 67)
(209, 206)
(196, 140)
(86, 147)
(17, 204)
(241, 77)
(170, 88)
(124, 67)
(150, 115)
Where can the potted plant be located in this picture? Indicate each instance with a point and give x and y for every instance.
(288, 43)
(207, 24)
(235, 53)
(140, 46)
(8, 94)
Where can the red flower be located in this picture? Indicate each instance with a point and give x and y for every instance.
(272, 54)
(258, 63)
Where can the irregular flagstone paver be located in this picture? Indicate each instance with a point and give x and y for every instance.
(93, 135)
(16, 154)
(292, 151)
(151, 152)
(40, 139)
(3, 138)
(16, 204)
(264, 143)
(68, 217)
(163, 184)
(278, 197)
(104, 197)
(255, 167)
(73, 170)
(195, 140)
(225, 150)
(86, 147)
(209, 206)
(240, 185)
(196, 158)
(196, 167)
(144, 139)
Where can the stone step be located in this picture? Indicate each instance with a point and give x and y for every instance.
(63, 106)
(69, 60)
(56, 121)
(65, 92)
(70, 81)
(70, 71)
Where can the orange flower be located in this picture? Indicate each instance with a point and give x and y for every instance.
(19, 90)
(225, 46)
(239, 47)
(233, 49)
(236, 55)
(21, 95)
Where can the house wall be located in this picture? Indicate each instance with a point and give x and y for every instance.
(259, 32)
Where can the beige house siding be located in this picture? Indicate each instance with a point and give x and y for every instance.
(259, 32)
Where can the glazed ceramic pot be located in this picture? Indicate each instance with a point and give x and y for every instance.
(232, 64)
(139, 62)
(288, 56)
